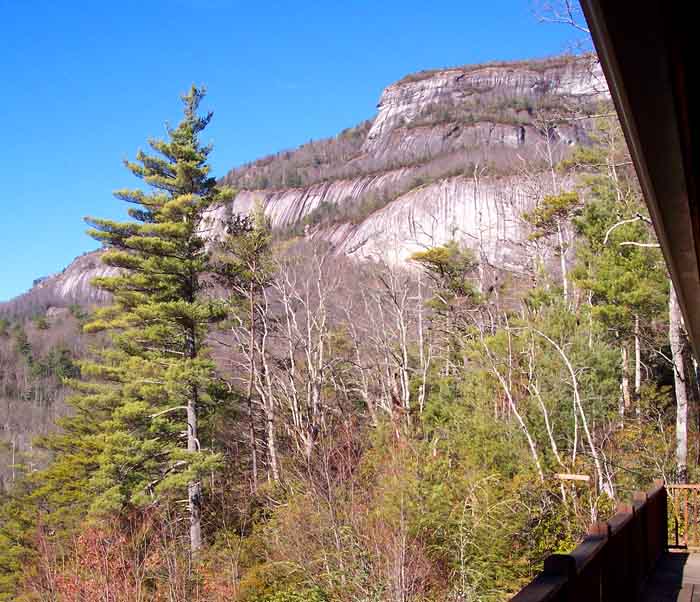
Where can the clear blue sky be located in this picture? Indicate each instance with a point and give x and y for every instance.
(85, 83)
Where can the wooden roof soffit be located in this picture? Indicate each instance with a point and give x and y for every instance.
(646, 53)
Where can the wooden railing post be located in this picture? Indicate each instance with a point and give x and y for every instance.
(658, 523)
(560, 565)
(563, 566)
(641, 507)
(602, 530)
(663, 530)
(613, 562)
(553, 584)
(622, 548)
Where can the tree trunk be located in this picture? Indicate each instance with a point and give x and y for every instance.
(253, 446)
(251, 376)
(513, 408)
(194, 488)
(675, 335)
(626, 397)
(14, 447)
(545, 414)
(562, 262)
(264, 386)
(602, 485)
(272, 443)
(637, 367)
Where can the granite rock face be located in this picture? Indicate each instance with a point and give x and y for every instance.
(72, 285)
(485, 215)
(443, 159)
(285, 208)
(405, 101)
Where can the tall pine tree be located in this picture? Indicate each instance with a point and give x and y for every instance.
(156, 379)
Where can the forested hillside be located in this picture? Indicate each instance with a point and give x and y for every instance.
(35, 355)
(355, 370)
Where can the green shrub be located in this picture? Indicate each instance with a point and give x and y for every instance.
(41, 322)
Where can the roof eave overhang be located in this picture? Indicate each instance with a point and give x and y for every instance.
(644, 49)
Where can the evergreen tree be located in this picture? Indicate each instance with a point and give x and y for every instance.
(451, 267)
(619, 266)
(154, 385)
(549, 218)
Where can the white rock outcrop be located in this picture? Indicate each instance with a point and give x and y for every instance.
(404, 148)
(72, 285)
(402, 102)
(484, 215)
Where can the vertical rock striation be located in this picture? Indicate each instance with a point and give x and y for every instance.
(388, 188)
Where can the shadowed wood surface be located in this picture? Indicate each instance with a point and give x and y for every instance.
(615, 560)
(676, 579)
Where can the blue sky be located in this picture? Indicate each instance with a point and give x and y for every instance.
(85, 83)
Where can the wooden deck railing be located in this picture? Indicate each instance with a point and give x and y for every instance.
(613, 561)
(684, 512)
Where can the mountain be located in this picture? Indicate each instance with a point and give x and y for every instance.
(452, 153)
(71, 286)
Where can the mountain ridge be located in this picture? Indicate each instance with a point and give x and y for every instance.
(442, 157)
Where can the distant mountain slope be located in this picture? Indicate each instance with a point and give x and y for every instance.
(445, 157)
(70, 286)
(454, 153)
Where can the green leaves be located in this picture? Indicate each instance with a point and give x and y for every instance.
(550, 212)
(623, 278)
(451, 266)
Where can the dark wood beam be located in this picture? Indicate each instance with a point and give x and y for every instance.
(645, 49)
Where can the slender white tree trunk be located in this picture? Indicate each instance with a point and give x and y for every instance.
(251, 376)
(637, 367)
(14, 447)
(562, 262)
(514, 409)
(264, 387)
(675, 335)
(272, 445)
(423, 353)
(550, 433)
(626, 398)
(602, 485)
(194, 488)
(590, 320)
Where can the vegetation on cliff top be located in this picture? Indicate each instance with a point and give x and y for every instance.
(539, 65)
(343, 157)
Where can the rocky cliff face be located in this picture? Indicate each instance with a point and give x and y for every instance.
(482, 95)
(288, 207)
(461, 140)
(72, 285)
(443, 159)
(485, 215)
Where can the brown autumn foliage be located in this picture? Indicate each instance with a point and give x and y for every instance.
(136, 557)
